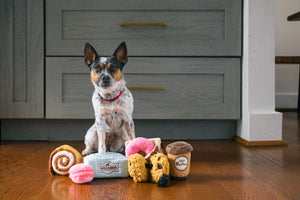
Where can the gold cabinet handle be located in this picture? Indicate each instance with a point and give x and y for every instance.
(130, 24)
(147, 88)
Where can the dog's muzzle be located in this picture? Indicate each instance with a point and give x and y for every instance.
(105, 81)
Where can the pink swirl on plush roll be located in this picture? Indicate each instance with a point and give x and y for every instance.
(81, 173)
(139, 145)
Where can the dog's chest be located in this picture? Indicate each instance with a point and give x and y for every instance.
(113, 117)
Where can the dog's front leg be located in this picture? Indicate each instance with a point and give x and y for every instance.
(101, 140)
(102, 128)
(129, 126)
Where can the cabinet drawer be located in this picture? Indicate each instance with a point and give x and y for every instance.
(150, 28)
(163, 88)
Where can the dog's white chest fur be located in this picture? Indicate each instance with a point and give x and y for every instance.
(113, 114)
(114, 118)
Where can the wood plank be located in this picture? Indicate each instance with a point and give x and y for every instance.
(220, 169)
(277, 167)
(213, 175)
(236, 177)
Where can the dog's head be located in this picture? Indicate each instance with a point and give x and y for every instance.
(106, 72)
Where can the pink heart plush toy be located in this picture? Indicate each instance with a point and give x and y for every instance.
(81, 173)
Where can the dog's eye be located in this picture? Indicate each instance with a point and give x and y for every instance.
(113, 68)
(97, 69)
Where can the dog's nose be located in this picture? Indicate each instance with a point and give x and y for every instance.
(105, 79)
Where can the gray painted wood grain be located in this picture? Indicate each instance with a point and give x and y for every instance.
(20, 51)
(21, 59)
(75, 130)
(196, 88)
(194, 28)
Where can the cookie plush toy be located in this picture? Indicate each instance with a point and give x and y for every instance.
(137, 168)
(81, 173)
(158, 168)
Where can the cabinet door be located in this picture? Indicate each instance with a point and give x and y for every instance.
(162, 88)
(21, 59)
(150, 27)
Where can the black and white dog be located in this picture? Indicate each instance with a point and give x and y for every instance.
(112, 102)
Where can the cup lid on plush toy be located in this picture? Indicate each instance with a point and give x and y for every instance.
(180, 147)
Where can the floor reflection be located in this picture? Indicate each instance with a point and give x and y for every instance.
(63, 188)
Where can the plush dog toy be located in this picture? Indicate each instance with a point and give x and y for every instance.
(62, 159)
(138, 168)
(143, 146)
(81, 173)
(159, 166)
(146, 161)
(157, 169)
(179, 155)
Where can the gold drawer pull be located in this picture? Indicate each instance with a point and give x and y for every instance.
(147, 88)
(129, 24)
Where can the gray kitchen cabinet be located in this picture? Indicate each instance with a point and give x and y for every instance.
(21, 59)
(151, 28)
(184, 88)
(184, 67)
(190, 50)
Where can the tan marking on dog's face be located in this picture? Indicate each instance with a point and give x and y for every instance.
(94, 76)
(108, 65)
(117, 75)
(101, 65)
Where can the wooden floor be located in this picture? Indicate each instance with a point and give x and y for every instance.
(219, 170)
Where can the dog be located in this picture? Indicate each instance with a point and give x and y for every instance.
(112, 102)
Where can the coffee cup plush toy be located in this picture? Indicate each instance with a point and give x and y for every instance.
(179, 155)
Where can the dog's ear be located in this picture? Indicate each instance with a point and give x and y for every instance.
(121, 53)
(90, 54)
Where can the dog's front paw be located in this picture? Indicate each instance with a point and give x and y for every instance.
(86, 152)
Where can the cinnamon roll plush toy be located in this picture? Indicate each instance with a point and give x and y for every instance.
(62, 159)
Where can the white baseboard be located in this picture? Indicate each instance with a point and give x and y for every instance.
(286, 100)
(265, 126)
(260, 126)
